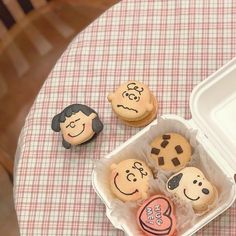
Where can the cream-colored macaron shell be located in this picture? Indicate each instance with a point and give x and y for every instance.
(129, 180)
(171, 151)
(191, 185)
(131, 101)
(148, 119)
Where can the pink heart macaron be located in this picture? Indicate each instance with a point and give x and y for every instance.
(156, 216)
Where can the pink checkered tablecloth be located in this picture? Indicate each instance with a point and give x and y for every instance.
(171, 45)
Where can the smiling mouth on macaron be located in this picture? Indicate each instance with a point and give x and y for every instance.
(73, 136)
(120, 189)
(192, 199)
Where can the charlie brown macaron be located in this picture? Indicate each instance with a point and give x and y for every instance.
(129, 180)
(134, 103)
(78, 124)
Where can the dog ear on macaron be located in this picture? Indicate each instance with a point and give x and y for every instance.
(174, 182)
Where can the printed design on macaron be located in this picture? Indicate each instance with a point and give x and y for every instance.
(78, 124)
(156, 216)
(171, 151)
(191, 185)
(132, 102)
(133, 93)
(129, 180)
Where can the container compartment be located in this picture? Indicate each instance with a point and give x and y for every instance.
(138, 147)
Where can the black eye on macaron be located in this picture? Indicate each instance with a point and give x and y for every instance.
(199, 184)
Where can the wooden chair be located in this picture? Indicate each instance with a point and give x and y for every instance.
(6, 162)
(33, 34)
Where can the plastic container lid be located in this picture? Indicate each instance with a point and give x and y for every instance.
(213, 108)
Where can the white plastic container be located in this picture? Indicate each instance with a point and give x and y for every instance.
(213, 108)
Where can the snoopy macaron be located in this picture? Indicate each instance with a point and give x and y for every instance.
(191, 185)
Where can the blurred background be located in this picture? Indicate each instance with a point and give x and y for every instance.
(33, 35)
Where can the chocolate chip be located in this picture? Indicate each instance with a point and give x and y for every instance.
(161, 161)
(235, 178)
(155, 151)
(175, 161)
(205, 191)
(164, 143)
(179, 149)
(166, 136)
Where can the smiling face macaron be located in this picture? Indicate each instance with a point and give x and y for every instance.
(191, 185)
(130, 180)
(78, 124)
(134, 103)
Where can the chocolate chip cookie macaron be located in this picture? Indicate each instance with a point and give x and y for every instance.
(134, 104)
(170, 151)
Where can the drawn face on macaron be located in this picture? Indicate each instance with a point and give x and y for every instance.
(131, 100)
(78, 124)
(78, 128)
(129, 179)
(191, 185)
(171, 151)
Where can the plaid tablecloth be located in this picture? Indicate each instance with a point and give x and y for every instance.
(171, 45)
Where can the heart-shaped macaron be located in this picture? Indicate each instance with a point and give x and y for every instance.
(156, 216)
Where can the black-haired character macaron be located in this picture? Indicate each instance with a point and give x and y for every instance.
(78, 124)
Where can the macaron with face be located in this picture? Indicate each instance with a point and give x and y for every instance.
(191, 185)
(130, 180)
(78, 124)
(132, 101)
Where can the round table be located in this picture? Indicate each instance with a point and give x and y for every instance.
(171, 46)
